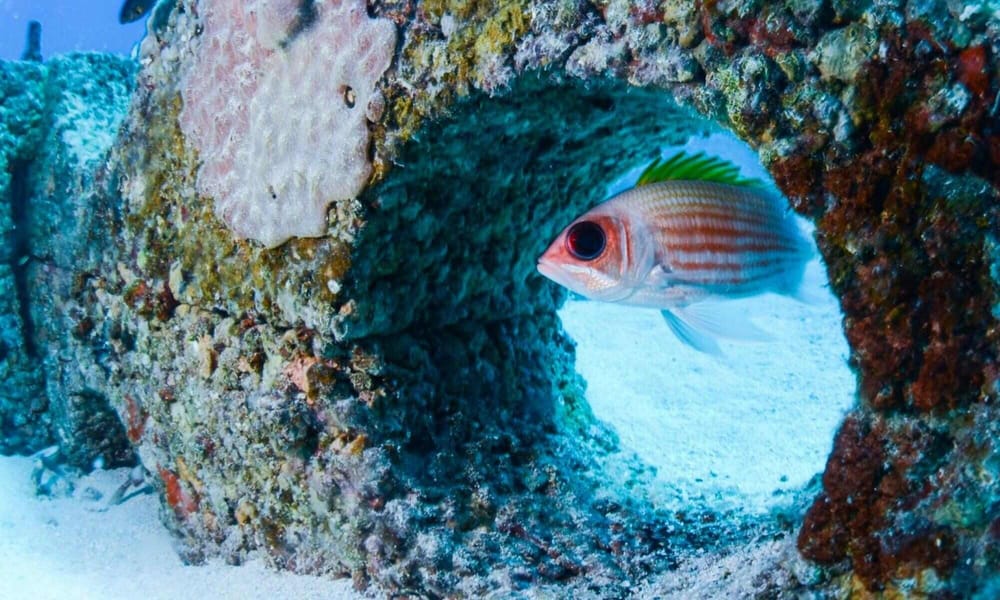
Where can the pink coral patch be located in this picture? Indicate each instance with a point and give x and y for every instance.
(279, 117)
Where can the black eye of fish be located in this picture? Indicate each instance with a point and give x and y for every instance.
(585, 240)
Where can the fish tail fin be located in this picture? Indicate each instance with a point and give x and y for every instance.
(797, 279)
(793, 277)
(813, 287)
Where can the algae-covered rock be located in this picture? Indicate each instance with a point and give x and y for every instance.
(58, 123)
(841, 54)
(394, 398)
(24, 419)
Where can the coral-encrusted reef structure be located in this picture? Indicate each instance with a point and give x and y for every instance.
(57, 123)
(318, 319)
(24, 419)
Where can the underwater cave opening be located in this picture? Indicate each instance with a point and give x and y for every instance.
(473, 417)
(678, 453)
(747, 431)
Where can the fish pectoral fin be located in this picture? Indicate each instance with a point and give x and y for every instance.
(659, 277)
(686, 333)
(698, 325)
(712, 318)
(812, 288)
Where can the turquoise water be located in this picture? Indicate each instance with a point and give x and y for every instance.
(67, 26)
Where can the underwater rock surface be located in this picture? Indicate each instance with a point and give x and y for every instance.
(395, 399)
(57, 123)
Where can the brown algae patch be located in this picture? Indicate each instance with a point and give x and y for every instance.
(178, 239)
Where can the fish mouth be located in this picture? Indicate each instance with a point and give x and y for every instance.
(558, 273)
(564, 275)
(552, 270)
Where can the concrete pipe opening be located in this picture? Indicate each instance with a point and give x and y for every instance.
(317, 313)
(398, 400)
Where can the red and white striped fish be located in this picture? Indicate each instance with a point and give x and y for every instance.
(691, 230)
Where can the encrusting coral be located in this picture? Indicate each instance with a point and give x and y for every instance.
(58, 120)
(276, 102)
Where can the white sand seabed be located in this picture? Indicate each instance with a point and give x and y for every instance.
(738, 429)
(63, 549)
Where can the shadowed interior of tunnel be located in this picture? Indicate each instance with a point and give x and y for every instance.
(491, 417)
(454, 232)
(450, 289)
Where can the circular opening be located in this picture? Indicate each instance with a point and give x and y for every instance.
(743, 431)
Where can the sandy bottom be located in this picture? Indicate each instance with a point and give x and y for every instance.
(739, 430)
(63, 549)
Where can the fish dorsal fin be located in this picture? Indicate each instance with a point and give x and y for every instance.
(695, 167)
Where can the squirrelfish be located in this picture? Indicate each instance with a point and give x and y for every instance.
(692, 229)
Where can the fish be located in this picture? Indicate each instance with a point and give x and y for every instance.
(133, 10)
(692, 230)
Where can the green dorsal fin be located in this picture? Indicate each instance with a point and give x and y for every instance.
(695, 167)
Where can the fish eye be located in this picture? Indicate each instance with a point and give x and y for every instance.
(585, 240)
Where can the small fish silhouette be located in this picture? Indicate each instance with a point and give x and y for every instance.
(692, 229)
(133, 10)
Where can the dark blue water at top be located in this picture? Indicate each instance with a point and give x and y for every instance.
(67, 25)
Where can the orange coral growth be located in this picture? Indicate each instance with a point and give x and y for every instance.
(135, 419)
(177, 497)
(296, 371)
(309, 374)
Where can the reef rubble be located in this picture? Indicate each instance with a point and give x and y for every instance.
(392, 398)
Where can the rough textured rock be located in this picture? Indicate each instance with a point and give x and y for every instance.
(395, 399)
(59, 120)
(24, 420)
